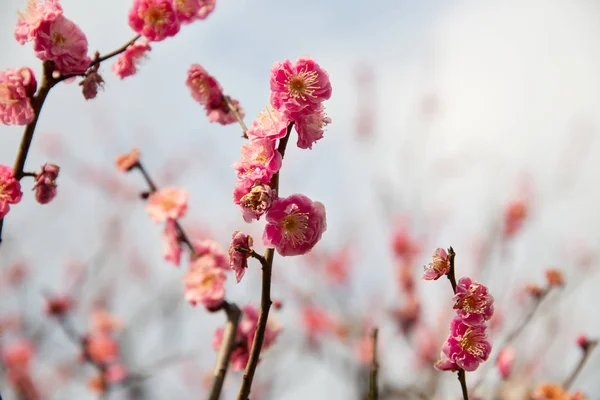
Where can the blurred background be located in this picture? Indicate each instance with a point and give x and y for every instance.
(450, 122)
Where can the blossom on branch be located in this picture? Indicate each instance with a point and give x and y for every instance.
(17, 87)
(10, 190)
(45, 183)
(167, 203)
(473, 302)
(439, 267)
(127, 63)
(37, 13)
(466, 347)
(238, 260)
(155, 19)
(203, 283)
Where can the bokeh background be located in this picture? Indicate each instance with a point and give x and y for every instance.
(443, 113)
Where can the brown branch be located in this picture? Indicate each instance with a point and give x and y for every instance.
(587, 351)
(265, 300)
(373, 389)
(236, 112)
(229, 336)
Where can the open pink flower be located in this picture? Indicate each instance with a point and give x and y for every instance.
(310, 126)
(101, 348)
(466, 347)
(10, 190)
(238, 260)
(155, 19)
(474, 304)
(127, 63)
(439, 267)
(270, 124)
(171, 243)
(125, 162)
(45, 183)
(294, 225)
(211, 253)
(298, 87)
(220, 112)
(186, 10)
(17, 87)
(204, 87)
(259, 152)
(253, 201)
(64, 43)
(204, 284)
(37, 13)
(206, 8)
(167, 203)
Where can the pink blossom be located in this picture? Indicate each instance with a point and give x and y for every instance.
(474, 304)
(206, 8)
(37, 13)
(125, 162)
(64, 43)
(101, 348)
(127, 63)
(59, 305)
(317, 321)
(204, 87)
(186, 10)
(115, 373)
(171, 243)
(583, 342)
(440, 265)
(259, 153)
(220, 112)
(505, 361)
(404, 246)
(17, 356)
(211, 253)
(204, 284)
(45, 183)
(17, 87)
(238, 260)
(337, 266)
(364, 349)
(155, 19)
(294, 225)
(310, 126)
(270, 124)
(10, 190)
(167, 203)
(299, 87)
(466, 347)
(90, 85)
(253, 202)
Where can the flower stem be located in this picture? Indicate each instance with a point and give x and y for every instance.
(373, 389)
(462, 378)
(584, 358)
(236, 112)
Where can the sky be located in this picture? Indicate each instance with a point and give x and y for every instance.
(517, 93)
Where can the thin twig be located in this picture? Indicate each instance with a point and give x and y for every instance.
(265, 301)
(236, 112)
(462, 378)
(587, 351)
(373, 388)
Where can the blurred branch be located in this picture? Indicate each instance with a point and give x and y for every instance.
(588, 348)
(236, 112)
(373, 390)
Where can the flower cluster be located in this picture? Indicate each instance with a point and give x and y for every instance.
(245, 337)
(206, 90)
(55, 38)
(10, 190)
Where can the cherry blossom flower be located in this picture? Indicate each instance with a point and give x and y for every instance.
(10, 190)
(101, 348)
(298, 87)
(167, 203)
(204, 284)
(186, 10)
(253, 202)
(206, 8)
(439, 267)
(45, 183)
(211, 252)
(204, 87)
(37, 13)
(310, 126)
(474, 304)
(259, 153)
(128, 62)
(171, 243)
(155, 19)
(466, 347)
(270, 124)
(238, 260)
(294, 225)
(17, 87)
(125, 162)
(64, 43)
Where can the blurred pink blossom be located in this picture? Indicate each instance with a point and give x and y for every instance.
(155, 19)
(167, 203)
(37, 13)
(128, 62)
(17, 87)
(10, 190)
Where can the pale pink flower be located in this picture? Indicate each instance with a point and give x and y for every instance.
(439, 267)
(90, 85)
(220, 112)
(466, 347)
(206, 8)
(101, 348)
(317, 321)
(155, 19)
(64, 43)
(404, 246)
(310, 126)
(167, 203)
(261, 153)
(211, 253)
(505, 361)
(171, 243)
(125, 162)
(474, 304)
(294, 225)
(17, 87)
(238, 260)
(37, 13)
(337, 266)
(253, 202)
(127, 63)
(45, 183)
(270, 124)
(299, 87)
(10, 190)
(58, 306)
(204, 284)
(115, 373)
(204, 87)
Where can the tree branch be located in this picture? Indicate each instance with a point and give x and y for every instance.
(373, 389)
(587, 351)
